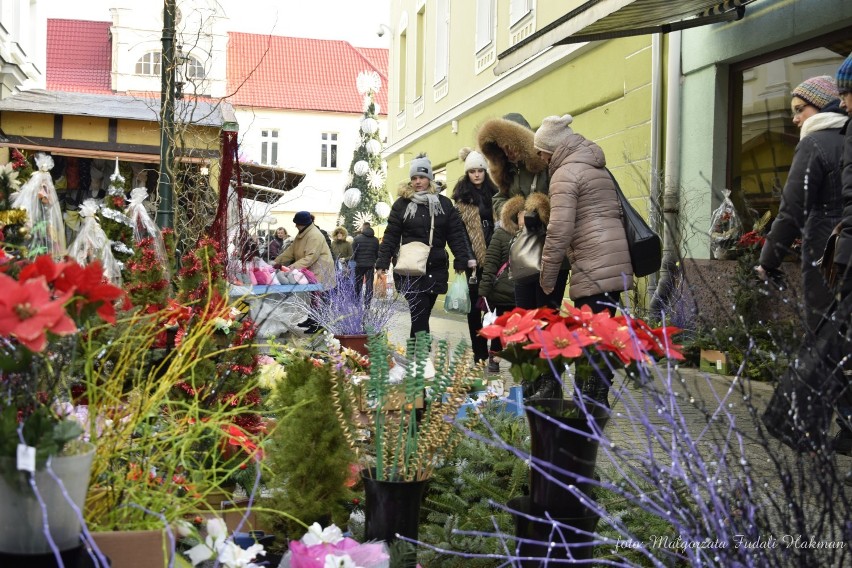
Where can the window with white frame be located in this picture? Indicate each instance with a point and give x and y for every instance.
(149, 64)
(484, 24)
(328, 150)
(194, 69)
(269, 147)
(518, 9)
(442, 39)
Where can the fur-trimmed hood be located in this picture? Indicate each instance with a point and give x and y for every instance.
(540, 203)
(339, 230)
(497, 134)
(406, 191)
(509, 214)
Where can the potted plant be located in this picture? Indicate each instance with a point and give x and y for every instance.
(410, 426)
(345, 315)
(44, 306)
(563, 445)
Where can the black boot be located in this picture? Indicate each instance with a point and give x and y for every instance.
(548, 387)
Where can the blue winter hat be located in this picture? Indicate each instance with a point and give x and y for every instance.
(844, 76)
(302, 218)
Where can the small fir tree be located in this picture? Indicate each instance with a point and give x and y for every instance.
(115, 223)
(365, 170)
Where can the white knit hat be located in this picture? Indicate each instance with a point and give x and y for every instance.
(554, 130)
(474, 161)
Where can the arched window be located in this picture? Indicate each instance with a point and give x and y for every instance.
(194, 68)
(149, 64)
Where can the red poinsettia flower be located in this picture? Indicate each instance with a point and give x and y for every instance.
(43, 266)
(88, 283)
(558, 340)
(237, 437)
(660, 340)
(619, 338)
(28, 312)
(516, 329)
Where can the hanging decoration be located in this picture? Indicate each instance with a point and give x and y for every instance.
(362, 217)
(383, 209)
(361, 168)
(369, 125)
(352, 197)
(374, 147)
(38, 198)
(368, 82)
(376, 179)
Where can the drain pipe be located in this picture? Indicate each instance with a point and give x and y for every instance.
(671, 193)
(656, 135)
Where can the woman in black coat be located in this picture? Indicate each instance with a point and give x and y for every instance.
(365, 252)
(811, 203)
(409, 221)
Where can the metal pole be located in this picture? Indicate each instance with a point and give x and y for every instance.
(165, 188)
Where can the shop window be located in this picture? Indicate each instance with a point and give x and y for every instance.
(328, 150)
(762, 134)
(269, 147)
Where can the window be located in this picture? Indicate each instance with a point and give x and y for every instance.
(518, 9)
(419, 74)
(149, 64)
(484, 24)
(403, 66)
(328, 150)
(269, 147)
(442, 39)
(194, 69)
(763, 136)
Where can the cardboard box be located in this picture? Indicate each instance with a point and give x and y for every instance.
(712, 361)
(134, 549)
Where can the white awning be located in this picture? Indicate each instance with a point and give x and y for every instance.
(607, 19)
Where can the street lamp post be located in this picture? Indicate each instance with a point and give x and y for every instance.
(165, 186)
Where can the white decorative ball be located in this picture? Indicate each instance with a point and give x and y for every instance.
(374, 146)
(383, 209)
(352, 197)
(368, 82)
(361, 167)
(369, 125)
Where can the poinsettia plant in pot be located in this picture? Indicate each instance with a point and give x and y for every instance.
(540, 340)
(44, 305)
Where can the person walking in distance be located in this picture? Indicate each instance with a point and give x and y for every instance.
(365, 252)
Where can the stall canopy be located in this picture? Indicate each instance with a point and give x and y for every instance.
(268, 183)
(607, 19)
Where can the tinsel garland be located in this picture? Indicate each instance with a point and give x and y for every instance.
(116, 216)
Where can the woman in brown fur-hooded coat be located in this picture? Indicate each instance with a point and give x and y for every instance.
(507, 144)
(472, 196)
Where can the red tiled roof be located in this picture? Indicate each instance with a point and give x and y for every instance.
(300, 74)
(79, 56)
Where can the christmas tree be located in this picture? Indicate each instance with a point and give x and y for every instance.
(116, 225)
(366, 198)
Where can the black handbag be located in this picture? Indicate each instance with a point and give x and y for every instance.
(645, 246)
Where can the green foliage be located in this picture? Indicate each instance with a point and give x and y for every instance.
(762, 349)
(41, 430)
(462, 490)
(307, 456)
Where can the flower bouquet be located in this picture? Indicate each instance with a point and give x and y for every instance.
(536, 341)
(327, 547)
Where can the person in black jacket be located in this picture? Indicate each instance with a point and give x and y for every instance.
(810, 205)
(409, 221)
(276, 244)
(472, 195)
(365, 252)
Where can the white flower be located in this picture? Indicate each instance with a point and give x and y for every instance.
(318, 535)
(183, 528)
(376, 179)
(232, 556)
(222, 324)
(345, 561)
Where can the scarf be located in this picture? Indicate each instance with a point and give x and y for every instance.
(423, 198)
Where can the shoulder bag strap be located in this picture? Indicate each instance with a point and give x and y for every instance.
(618, 194)
(431, 227)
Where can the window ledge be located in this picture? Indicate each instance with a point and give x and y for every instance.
(523, 28)
(441, 89)
(419, 106)
(400, 120)
(485, 58)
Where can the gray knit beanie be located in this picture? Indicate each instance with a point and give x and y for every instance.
(421, 166)
(554, 130)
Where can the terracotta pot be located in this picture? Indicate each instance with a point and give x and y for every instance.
(357, 342)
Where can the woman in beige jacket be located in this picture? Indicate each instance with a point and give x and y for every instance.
(585, 224)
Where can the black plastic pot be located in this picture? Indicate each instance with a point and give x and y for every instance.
(391, 507)
(76, 557)
(569, 451)
(567, 544)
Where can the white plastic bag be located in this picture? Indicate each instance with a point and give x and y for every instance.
(725, 228)
(143, 225)
(38, 197)
(91, 243)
